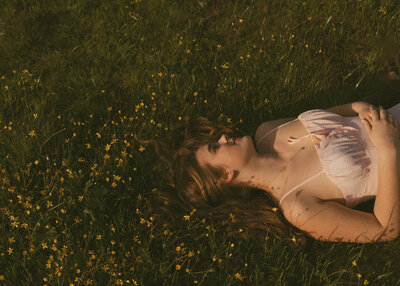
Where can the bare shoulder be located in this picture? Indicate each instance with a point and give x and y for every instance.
(267, 126)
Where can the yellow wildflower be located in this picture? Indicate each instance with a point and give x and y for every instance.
(32, 133)
(238, 276)
(383, 10)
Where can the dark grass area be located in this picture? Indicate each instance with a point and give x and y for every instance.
(79, 79)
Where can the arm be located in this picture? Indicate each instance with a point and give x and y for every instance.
(387, 200)
(350, 109)
(330, 221)
(268, 126)
(346, 110)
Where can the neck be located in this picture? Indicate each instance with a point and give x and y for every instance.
(264, 172)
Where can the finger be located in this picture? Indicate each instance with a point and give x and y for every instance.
(366, 124)
(373, 113)
(366, 117)
(383, 113)
(391, 115)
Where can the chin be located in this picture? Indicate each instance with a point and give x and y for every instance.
(250, 141)
(249, 138)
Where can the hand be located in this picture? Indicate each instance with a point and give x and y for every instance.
(382, 128)
(362, 108)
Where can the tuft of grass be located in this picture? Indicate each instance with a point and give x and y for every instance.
(79, 80)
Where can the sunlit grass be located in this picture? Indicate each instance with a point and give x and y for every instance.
(78, 81)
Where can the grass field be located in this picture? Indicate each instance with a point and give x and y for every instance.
(79, 79)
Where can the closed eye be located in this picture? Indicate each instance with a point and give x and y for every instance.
(212, 148)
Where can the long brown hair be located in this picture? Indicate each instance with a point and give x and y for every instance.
(243, 212)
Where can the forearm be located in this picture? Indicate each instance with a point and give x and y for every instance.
(350, 109)
(387, 199)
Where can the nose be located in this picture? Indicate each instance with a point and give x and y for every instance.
(223, 139)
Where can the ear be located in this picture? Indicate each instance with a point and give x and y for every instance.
(228, 176)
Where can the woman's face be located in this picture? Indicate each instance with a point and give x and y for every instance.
(230, 153)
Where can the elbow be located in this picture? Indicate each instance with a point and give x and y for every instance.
(389, 238)
(395, 235)
(389, 234)
(389, 230)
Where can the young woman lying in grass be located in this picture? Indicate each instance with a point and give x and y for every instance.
(296, 178)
